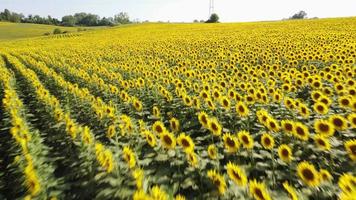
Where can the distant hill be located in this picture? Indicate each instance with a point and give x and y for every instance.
(10, 31)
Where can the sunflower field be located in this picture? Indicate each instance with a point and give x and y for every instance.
(263, 110)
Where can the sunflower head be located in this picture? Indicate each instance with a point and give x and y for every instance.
(168, 140)
(174, 123)
(241, 109)
(231, 143)
(192, 158)
(246, 139)
(324, 127)
(287, 125)
(158, 193)
(212, 152)
(203, 119)
(267, 141)
(258, 190)
(350, 147)
(339, 122)
(158, 127)
(347, 183)
(218, 180)
(150, 138)
(291, 191)
(186, 142)
(325, 175)
(215, 127)
(320, 108)
(308, 174)
(301, 131)
(322, 142)
(285, 153)
(236, 174)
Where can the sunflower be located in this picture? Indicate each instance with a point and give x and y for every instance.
(210, 103)
(272, 124)
(304, 111)
(352, 119)
(285, 153)
(186, 142)
(225, 102)
(231, 143)
(242, 109)
(325, 175)
(236, 174)
(320, 108)
(345, 101)
(157, 193)
(179, 197)
(111, 131)
(258, 190)
(339, 122)
(129, 157)
(192, 158)
(137, 104)
(347, 183)
(156, 112)
(218, 180)
(168, 140)
(288, 126)
(322, 142)
(308, 174)
(267, 141)
(291, 191)
(174, 123)
(215, 127)
(301, 131)
(324, 127)
(140, 195)
(138, 176)
(246, 139)
(150, 138)
(203, 119)
(158, 127)
(350, 147)
(212, 152)
(32, 181)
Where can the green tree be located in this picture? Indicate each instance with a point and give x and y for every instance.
(122, 18)
(68, 20)
(300, 15)
(214, 18)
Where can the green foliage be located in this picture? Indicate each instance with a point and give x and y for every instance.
(214, 18)
(57, 31)
(300, 15)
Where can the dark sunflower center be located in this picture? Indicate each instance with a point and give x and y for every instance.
(345, 102)
(337, 122)
(204, 120)
(241, 109)
(214, 127)
(245, 139)
(167, 140)
(259, 193)
(324, 127)
(230, 142)
(288, 127)
(285, 153)
(353, 149)
(321, 142)
(185, 143)
(159, 129)
(267, 141)
(320, 108)
(300, 131)
(236, 175)
(308, 174)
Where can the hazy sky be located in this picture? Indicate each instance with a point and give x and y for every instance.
(186, 10)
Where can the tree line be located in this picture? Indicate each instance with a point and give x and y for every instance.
(78, 19)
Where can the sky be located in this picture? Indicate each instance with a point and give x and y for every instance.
(186, 10)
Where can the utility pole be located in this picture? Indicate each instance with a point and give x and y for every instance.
(211, 7)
